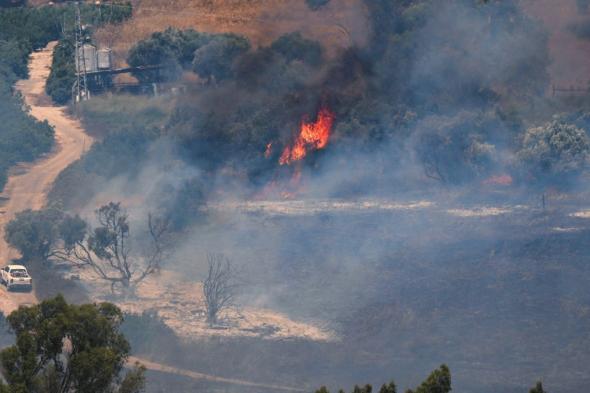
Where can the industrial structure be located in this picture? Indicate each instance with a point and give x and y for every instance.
(94, 67)
(94, 71)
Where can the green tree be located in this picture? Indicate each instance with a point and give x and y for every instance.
(63, 72)
(216, 58)
(106, 248)
(388, 388)
(555, 149)
(538, 388)
(34, 233)
(171, 48)
(68, 348)
(439, 381)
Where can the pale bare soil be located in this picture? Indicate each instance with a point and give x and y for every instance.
(309, 207)
(340, 24)
(296, 207)
(178, 301)
(207, 377)
(28, 184)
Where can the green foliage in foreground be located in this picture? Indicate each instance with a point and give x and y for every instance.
(68, 348)
(538, 388)
(439, 381)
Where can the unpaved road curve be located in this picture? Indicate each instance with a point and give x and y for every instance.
(28, 185)
(212, 378)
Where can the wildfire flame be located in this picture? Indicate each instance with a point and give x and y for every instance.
(268, 150)
(312, 136)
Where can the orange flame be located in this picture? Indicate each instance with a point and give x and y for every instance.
(313, 135)
(268, 150)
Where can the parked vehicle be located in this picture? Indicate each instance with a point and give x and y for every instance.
(16, 276)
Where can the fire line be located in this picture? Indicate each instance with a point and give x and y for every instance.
(312, 136)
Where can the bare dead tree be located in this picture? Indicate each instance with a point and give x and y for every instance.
(106, 249)
(219, 286)
(159, 228)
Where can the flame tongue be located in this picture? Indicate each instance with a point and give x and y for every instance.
(312, 136)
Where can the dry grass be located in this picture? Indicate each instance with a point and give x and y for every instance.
(340, 24)
(179, 302)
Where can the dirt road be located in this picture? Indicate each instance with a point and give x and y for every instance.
(28, 184)
(207, 377)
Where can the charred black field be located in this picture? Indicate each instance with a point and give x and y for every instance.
(491, 293)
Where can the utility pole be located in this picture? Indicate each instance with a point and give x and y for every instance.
(81, 82)
(77, 58)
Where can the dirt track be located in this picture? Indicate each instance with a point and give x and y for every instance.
(206, 377)
(28, 184)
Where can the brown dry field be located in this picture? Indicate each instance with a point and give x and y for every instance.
(340, 24)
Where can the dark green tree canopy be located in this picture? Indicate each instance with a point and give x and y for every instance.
(439, 381)
(34, 233)
(68, 348)
(538, 388)
(216, 58)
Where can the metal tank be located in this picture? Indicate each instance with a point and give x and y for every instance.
(104, 59)
(87, 59)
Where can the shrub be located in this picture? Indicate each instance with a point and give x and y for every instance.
(554, 150)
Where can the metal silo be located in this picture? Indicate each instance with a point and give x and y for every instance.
(87, 58)
(104, 59)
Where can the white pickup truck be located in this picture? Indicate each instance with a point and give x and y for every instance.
(16, 276)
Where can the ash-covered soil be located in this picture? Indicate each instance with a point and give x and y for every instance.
(341, 291)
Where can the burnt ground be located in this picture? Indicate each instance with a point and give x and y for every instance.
(502, 299)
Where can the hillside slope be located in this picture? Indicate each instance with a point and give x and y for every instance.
(341, 23)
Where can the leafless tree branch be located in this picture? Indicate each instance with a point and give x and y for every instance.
(219, 286)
